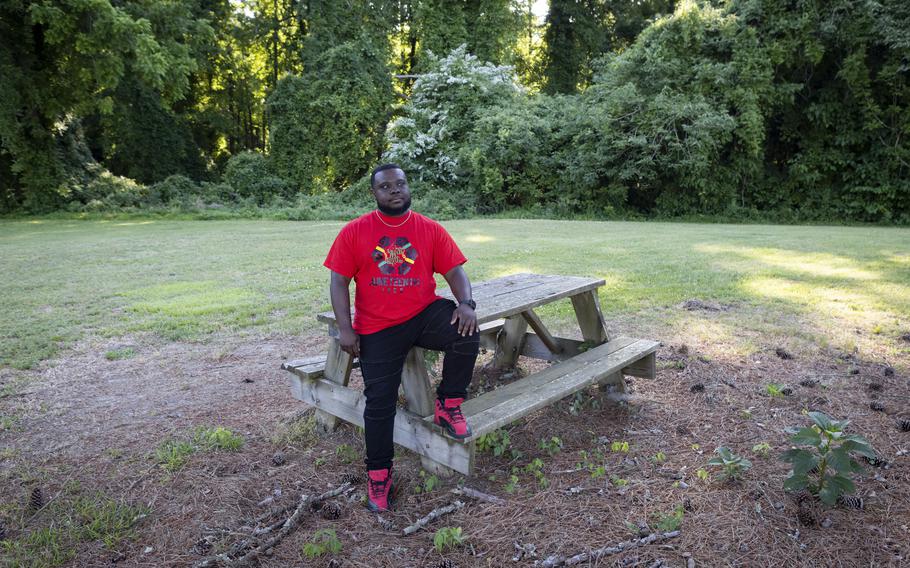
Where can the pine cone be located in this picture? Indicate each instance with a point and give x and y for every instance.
(877, 387)
(331, 510)
(806, 517)
(786, 391)
(36, 499)
(808, 383)
(802, 497)
(889, 371)
(877, 406)
(278, 459)
(353, 478)
(2, 531)
(202, 546)
(904, 425)
(850, 502)
(697, 387)
(875, 461)
(444, 563)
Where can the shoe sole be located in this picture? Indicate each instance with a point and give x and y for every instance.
(451, 431)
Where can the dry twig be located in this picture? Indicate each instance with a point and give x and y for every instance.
(434, 514)
(287, 527)
(599, 553)
(479, 495)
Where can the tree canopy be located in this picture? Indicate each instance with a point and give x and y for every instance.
(720, 107)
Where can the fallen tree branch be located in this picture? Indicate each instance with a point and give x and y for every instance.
(599, 553)
(479, 495)
(434, 514)
(286, 527)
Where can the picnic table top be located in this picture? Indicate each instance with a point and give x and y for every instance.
(513, 294)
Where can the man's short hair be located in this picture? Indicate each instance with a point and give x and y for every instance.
(381, 168)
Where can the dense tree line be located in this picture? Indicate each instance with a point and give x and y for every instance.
(794, 109)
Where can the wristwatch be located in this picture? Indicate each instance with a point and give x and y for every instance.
(471, 303)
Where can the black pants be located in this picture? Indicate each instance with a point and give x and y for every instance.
(382, 356)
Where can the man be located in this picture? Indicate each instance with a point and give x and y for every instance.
(392, 254)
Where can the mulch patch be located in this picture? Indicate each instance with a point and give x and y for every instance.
(95, 422)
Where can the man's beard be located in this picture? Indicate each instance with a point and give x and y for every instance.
(395, 211)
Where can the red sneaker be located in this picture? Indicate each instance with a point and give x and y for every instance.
(448, 415)
(379, 489)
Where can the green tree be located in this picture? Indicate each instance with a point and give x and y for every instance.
(62, 60)
(328, 124)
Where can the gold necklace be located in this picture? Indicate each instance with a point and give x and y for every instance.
(378, 216)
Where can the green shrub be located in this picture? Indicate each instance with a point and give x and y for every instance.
(826, 467)
(173, 189)
(251, 177)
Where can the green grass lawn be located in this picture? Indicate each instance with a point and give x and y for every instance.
(186, 280)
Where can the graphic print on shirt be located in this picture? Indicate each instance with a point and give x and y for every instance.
(398, 257)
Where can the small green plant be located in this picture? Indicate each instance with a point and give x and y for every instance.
(346, 453)
(702, 474)
(116, 354)
(497, 442)
(324, 541)
(733, 465)
(762, 449)
(618, 481)
(619, 446)
(428, 482)
(746, 413)
(825, 469)
(659, 457)
(512, 484)
(581, 401)
(593, 463)
(448, 537)
(218, 438)
(774, 390)
(173, 454)
(670, 521)
(552, 446)
(535, 468)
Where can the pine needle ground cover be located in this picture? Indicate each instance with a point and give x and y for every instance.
(120, 337)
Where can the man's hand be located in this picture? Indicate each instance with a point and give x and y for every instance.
(350, 342)
(466, 318)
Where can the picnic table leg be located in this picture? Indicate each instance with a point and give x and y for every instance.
(509, 342)
(594, 330)
(421, 400)
(338, 365)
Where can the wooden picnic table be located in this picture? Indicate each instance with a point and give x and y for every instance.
(505, 311)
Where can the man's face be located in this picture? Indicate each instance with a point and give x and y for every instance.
(390, 188)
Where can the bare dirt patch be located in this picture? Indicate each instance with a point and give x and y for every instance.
(93, 421)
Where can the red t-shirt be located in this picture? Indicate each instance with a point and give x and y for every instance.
(392, 263)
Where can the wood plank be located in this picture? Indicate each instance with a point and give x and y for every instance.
(310, 367)
(513, 294)
(418, 391)
(565, 384)
(542, 332)
(645, 368)
(338, 364)
(537, 380)
(509, 343)
(410, 431)
(416, 383)
(590, 318)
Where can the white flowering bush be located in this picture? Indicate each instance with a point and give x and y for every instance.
(444, 106)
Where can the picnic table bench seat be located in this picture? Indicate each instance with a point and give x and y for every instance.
(505, 314)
